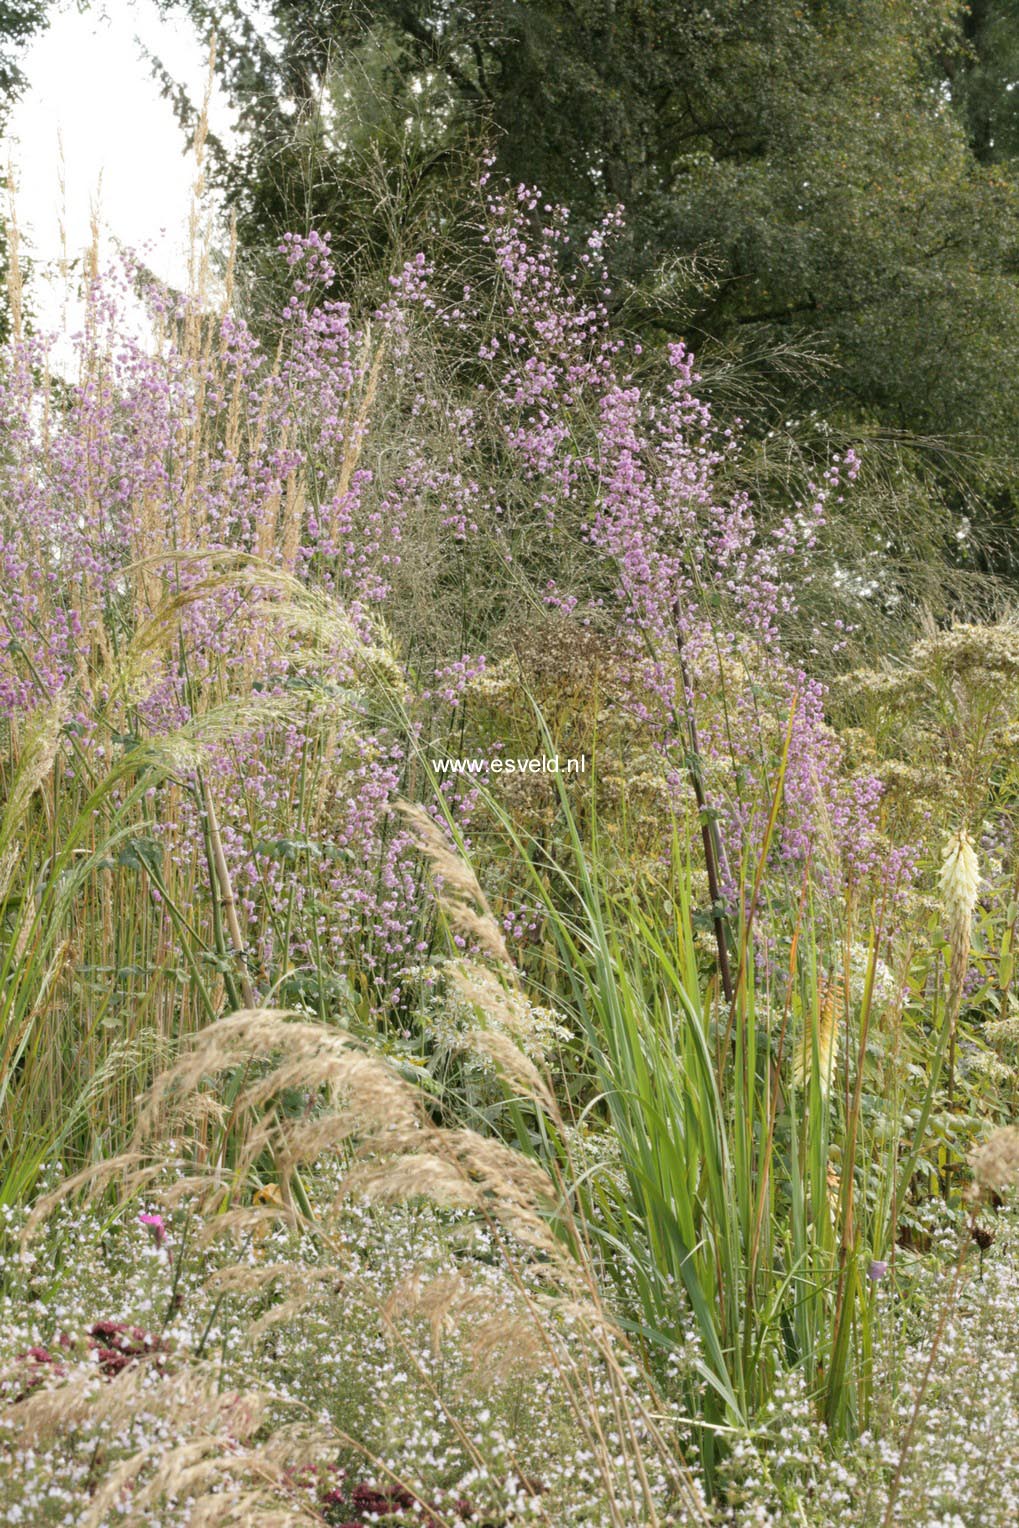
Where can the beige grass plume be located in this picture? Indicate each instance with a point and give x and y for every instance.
(506, 1035)
(458, 890)
(38, 745)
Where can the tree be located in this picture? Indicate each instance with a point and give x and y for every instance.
(984, 75)
(20, 20)
(825, 158)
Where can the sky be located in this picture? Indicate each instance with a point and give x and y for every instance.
(91, 100)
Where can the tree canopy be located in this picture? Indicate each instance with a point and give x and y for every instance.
(842, 173)
(19, 22)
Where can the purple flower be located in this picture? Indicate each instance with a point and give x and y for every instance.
(877, 1271)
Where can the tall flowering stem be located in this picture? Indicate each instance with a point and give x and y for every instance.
(709, 834)
(959, 885)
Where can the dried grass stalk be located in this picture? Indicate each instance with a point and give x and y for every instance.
(458, 889)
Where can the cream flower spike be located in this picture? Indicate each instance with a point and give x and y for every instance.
(960, 880)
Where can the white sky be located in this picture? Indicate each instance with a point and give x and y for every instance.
(90, 89)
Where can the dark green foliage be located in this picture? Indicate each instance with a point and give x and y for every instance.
(338, 131)
(984, 76)
(19, 22)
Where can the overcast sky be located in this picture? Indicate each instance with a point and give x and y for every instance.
(90, 88)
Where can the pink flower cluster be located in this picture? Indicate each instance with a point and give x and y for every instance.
(604, 446)
(180, 450)
(552, 443)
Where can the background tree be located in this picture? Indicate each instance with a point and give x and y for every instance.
(20, 20)
(821, 197)
(984, 75)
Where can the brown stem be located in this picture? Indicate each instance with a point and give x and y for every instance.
(709, 831)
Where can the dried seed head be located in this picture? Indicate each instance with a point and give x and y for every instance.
(995, 1162)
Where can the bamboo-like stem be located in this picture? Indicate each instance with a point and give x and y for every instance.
(226, 895)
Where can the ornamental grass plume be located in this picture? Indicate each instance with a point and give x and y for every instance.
(377, 1128)
(458, 890)
(37, 742)
(832, 1004)
(220, 1459)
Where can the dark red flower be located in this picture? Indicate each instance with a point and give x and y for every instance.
(120, 1345)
